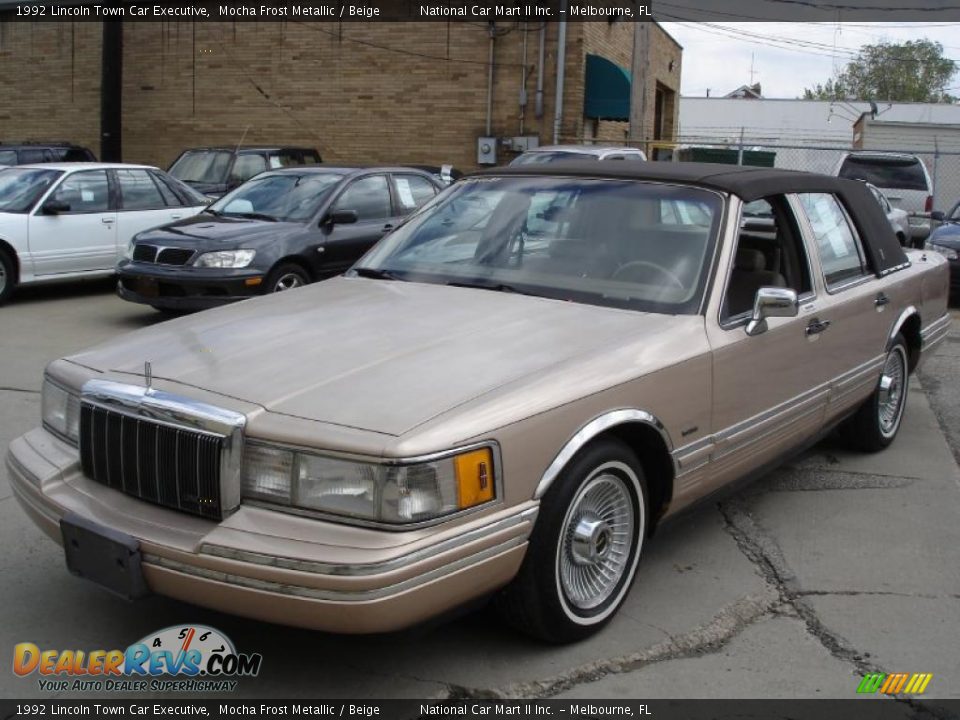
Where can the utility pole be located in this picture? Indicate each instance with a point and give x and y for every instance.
(640, 71)
(111, 92)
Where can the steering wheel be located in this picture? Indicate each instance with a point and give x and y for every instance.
(626, 268)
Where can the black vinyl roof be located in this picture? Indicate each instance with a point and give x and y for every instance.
(748, 183)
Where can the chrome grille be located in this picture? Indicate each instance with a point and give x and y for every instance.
(175, 467)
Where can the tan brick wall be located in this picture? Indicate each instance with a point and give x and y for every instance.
(50, 82)
(360, 92)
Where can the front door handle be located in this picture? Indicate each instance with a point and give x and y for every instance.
(176, 217)
(881, 300)
(817, 326)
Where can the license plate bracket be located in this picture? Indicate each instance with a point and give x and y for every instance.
(104, 556)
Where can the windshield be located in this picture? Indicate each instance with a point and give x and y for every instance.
(21, 188)
(289, 197)
(895, 173)
(636, 245)
(202, 166)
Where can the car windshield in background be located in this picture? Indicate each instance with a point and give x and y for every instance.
(542, 158)
(21, 188)
(287, 197)
(636, 245)
(898, 173)
(202, 166)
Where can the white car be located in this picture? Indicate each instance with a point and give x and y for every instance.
(899, 219)
(63, 221)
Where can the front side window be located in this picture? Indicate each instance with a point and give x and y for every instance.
(84, 192)
(138, 191)
(368, 197)
(284, 196)
(601, 242)
(841, 254)
(20, 188)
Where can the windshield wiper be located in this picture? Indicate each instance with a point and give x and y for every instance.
(257, 216)
(497, 287)
(376, 273)
(211, 211)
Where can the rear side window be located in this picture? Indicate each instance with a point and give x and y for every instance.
(31, 156)
(899, 173)
(138, 191)
(841, 254)
(412, 191)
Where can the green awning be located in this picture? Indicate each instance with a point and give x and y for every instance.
(607, 95)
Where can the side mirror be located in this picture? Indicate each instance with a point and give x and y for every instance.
(772, 302)
(340, 217)
(55, 207)
(937, 216)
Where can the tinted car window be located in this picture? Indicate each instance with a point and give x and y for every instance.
(246, 166)
(368, 197)
(138, 191)
(169, 196)
(20, 188)
(8, 157)
(202, 166)
(85, 192)
(841, 255)
(31, 156)
(413, 191)
(541, 158)
(899, 173)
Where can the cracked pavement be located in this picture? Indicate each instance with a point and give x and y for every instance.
(834, 565)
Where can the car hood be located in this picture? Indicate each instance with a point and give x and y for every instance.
(947, 235)
(211, 229)
(375, 355)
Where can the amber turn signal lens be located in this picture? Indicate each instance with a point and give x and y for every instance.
(252, 281)
(474, 477)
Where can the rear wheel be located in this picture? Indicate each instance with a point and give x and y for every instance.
(8, 276)
(585, 547)
(877, 422)
(287, 276)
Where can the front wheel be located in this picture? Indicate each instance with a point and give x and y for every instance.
(876, 423)
(8, 276)
(585, 547)
(285, 277)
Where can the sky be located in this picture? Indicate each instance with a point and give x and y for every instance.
(786, 57)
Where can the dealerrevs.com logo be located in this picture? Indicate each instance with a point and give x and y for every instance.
(181, 658)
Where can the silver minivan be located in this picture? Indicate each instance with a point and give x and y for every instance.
(904, 180)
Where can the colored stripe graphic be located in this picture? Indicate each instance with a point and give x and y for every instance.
(871, 682)
(895, 683)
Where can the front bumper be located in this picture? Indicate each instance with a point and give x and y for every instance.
(277, 567)
(184, 287)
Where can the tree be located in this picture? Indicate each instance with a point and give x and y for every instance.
(912, 71)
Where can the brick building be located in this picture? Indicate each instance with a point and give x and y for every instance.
(360, 92)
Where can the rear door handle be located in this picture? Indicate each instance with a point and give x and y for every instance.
(176, 217)
(107, 221)
(817, 326)
(388, 227)
(881, 300)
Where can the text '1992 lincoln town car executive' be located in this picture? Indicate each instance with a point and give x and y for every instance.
(504, 397)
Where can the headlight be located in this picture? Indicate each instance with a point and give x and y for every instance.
(226, 259)
(948, 253)
(376, 492)
(61, 411)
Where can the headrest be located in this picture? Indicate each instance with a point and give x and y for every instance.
(750, 260)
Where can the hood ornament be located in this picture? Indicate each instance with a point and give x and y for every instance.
(148, 375)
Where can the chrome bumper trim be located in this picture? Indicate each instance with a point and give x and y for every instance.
(357, 570)
(334, 595)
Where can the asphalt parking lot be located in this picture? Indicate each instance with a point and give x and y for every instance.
(833, 566)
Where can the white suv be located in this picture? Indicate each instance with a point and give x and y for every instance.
(60, 221)
(904, 180)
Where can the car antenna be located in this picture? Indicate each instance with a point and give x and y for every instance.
(242, 138)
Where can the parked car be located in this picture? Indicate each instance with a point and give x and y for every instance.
(39, 152)
(905, 183)
(946, 241)
(64, 221)
(469, 413)
(214, 171)
(899, 219)
(446, 174)
(280, 230)
(559, 153)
